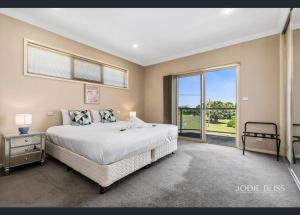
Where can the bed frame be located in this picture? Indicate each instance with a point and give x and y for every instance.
(105, 175)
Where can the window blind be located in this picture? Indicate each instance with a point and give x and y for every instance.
(49, 62)
(87, 71)
(44, 62)
(114, 76)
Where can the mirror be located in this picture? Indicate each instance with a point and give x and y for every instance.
(295, 88)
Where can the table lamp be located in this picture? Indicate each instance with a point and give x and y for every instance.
(132, 114)
(23, 120)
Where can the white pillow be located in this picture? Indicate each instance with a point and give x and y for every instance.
(65, 117)
(95, 116)
(89, 115)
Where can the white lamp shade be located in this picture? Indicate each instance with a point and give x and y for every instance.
(132, 114)
(23, 119)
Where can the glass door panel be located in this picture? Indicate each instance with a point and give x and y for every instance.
(189, 106)
(220, 93)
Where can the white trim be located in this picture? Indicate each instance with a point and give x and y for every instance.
(238, 105)
(296, 179)
(36, 22)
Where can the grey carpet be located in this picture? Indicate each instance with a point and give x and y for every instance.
(198, 175)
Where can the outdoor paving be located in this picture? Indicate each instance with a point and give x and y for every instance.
(213, 139)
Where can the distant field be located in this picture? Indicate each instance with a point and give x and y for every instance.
(192, 122)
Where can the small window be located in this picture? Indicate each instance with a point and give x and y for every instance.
(114, 77)
(44, 62)
(52, 63)
(84, 70)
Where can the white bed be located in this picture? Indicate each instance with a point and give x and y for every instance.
(105, 154)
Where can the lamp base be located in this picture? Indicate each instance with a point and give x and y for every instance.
(23, 130)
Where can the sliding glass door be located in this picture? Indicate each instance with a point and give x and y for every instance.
(206, 105)
(220, 94)
(190, 108)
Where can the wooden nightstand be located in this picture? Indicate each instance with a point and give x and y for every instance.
(23, 149)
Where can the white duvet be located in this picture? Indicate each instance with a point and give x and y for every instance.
(104, 143)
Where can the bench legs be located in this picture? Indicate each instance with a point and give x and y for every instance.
(278, 141)
(294, 157)
(277, 148)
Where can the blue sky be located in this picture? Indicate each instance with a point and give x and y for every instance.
(220, 85)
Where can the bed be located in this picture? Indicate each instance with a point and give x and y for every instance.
(107, 152)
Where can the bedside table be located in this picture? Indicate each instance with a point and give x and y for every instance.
(23, 149)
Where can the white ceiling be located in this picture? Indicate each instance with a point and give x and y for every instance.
(162, 34)
(296, 18)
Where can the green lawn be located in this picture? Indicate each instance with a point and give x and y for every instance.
(192, 122)
(220, 127)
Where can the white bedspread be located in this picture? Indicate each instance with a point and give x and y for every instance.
(105, 143)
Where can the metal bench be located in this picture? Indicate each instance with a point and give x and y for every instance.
(273, 136)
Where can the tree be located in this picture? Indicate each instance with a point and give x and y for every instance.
(214, 114)
(231, 122)
(217, 110)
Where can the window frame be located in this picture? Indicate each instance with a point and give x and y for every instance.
(28, 42)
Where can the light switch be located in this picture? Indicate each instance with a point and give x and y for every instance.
(245, 98)
(50, 113)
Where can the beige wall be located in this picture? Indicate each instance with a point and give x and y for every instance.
(296, 86)
(258, 80)
(24, 94)
(283, 90)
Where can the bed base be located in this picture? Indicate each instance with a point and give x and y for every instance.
(163, 150)
(105, 175)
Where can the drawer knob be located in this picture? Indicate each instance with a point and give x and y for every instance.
(26, 140)
(26, 158)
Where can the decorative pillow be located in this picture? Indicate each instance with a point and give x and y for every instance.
(95, 116)
(107, 116)
(80, 117)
